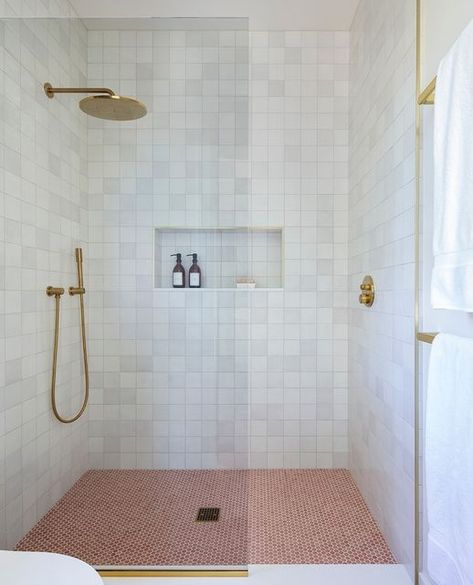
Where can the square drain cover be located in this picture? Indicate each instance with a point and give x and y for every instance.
(208, 515)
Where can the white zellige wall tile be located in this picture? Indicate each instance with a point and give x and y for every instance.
(43, 217)
(242, 130)
(298, 158)
(382, 243)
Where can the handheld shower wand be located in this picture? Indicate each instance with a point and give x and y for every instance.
(57, 293)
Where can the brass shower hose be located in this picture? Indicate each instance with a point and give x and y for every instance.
(57, 293)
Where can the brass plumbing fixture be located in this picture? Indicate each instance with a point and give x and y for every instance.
(367, 292)
(107, 105)
(53, 291)
(57, 292)
(79, 289)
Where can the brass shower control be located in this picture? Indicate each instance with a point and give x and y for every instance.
(54, 291)
(367, 292)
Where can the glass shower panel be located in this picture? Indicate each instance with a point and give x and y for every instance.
(201, 370)
(166, 483)
(182, 180)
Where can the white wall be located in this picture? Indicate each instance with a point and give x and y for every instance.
(382, 243)
(442, 22)
(43, 202)
(174, 379)
(262, 14)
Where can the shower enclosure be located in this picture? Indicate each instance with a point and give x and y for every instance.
(216, 431)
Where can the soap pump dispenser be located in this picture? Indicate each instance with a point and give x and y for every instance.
(195, 277)
(179, 273)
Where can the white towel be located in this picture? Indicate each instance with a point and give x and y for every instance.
(452, 278)
(449, 461)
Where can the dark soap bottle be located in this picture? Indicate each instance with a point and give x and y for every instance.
(178, 274)
(195, 277)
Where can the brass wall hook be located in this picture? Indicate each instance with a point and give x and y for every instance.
(368, 293)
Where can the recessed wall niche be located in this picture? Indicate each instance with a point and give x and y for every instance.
(225, 255)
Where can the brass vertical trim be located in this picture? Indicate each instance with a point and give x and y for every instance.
(417, 408)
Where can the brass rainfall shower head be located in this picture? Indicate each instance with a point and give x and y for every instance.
(107, 105)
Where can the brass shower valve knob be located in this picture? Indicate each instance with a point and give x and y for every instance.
(365, 299)
(367, 292)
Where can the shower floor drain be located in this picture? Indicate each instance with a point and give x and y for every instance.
(208, 515)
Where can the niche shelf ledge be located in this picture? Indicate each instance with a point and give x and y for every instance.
(225, 253)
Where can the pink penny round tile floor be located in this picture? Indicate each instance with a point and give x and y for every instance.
(141, 517)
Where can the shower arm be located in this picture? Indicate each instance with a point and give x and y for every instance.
(50, 91)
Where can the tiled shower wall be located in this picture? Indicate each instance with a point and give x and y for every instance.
(184, 378)
(243, 130)
(382, 243)
(43, 202)
(169, 368)
(299, 170)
